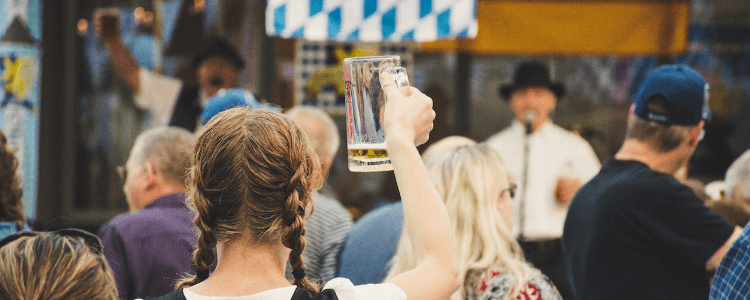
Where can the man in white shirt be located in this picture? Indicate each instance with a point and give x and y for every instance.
(555, 161)
(170, 100)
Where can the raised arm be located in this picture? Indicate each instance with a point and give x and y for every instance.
(408, 119)
(108, 29)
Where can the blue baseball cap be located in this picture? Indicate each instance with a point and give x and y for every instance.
(231, 98)
(685, 91)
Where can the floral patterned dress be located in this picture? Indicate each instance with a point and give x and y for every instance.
(496, 282)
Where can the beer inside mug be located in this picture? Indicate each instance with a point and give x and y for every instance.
(365, 105)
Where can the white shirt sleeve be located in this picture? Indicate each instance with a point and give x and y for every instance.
(588, 161)
(345, 290)
(158, 94)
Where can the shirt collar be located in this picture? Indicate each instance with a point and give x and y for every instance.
(521, 128)
(171, 200)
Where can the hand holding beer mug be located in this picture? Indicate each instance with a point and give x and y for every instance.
(365, 110)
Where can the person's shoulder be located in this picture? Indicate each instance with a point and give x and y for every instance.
(636, 178)
(544, 287)
(731, 275)
(326, 205)
(346, 290)
(385, 214)
(386, 220)
(175, 295)
(571, 138)
(123, 221)
(496, 282)
(145, 221)
(501, 136)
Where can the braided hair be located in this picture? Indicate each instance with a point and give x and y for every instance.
(252, 172)
(11, 205)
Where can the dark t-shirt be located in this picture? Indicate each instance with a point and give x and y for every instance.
(634, 233)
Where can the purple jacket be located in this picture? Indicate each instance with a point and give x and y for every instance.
(150, 249)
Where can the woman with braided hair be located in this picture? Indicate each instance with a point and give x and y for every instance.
(12, 218)
(252, 175)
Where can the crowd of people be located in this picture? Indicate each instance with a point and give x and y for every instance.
(224, 204)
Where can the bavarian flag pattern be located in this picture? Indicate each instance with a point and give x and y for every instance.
(372, 20)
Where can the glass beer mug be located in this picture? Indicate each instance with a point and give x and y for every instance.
(365, 105)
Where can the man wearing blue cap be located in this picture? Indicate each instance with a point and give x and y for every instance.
(634, 231)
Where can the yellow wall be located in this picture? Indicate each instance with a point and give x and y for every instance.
(576, 27)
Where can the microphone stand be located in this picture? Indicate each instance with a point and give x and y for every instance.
(525, 176)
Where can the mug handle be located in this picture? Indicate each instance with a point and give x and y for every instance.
(399, 75)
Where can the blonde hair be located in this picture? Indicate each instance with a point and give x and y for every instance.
(49, 266)
(470, 178)
(252, 175)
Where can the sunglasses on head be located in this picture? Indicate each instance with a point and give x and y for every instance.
(91, 241)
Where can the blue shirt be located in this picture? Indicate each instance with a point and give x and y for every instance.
(732, 279)
(150, 249)
(371, 244)
(9, 228)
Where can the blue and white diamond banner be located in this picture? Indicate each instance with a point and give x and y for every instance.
(372, 20)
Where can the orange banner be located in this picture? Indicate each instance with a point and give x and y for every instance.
(576, 27)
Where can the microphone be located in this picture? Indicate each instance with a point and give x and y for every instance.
(528, 118)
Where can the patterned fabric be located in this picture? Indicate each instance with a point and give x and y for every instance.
(325, 232)
(323, 61)
(496, 282)
(372, 20)
(732, 279)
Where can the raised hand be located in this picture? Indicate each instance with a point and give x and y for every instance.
(408, 112)
(107, 24)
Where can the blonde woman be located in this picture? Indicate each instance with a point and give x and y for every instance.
(252, 175)
(63, 265)
(477, 192)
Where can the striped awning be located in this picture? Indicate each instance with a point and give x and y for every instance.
(372, 20)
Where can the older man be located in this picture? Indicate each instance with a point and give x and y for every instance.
(549, 164)
(330, 222)
(732, 276)
(737, 180)
(634, 231)
(150, 247)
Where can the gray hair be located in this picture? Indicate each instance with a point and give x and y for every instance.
(319, 126)
(738, 175)
(169, 149)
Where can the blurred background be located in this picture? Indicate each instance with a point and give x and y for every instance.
(73, 120)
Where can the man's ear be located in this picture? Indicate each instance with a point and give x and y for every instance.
(695, 135)
(151, 174)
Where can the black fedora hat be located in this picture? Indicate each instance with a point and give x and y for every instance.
(219, 47)
(532, 74)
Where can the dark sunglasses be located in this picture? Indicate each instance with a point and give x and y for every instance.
(92, 242)
(511, 189)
